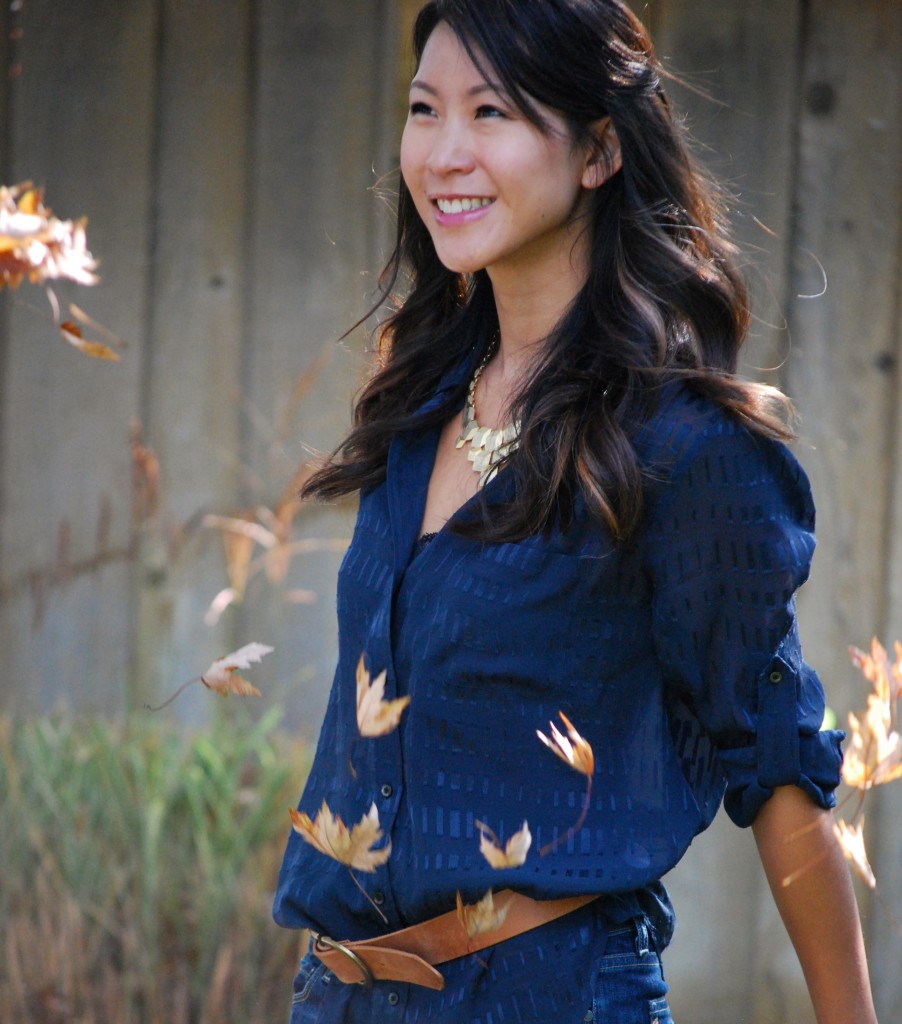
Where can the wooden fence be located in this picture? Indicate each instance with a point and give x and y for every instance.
(227, 155)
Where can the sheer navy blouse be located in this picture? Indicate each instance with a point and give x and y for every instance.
(676, 656)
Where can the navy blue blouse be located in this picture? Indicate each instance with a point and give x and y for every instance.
(676, 656)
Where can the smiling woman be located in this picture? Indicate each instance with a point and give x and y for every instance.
(623, 561)
(495, 191)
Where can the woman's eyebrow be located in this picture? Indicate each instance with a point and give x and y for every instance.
(474, 91)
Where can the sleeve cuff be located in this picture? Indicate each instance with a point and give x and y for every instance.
(818, 775)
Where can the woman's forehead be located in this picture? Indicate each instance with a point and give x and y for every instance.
(445, 55)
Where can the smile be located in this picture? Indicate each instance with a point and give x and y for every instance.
(462, 205)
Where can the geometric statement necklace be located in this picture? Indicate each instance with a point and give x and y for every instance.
(488, 445)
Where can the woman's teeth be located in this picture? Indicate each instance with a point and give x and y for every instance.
(461, 205)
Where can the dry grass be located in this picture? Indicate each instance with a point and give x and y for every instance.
(138, 868)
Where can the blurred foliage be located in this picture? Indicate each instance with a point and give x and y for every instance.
(139, 862)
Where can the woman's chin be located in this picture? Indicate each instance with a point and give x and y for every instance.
(461, 266)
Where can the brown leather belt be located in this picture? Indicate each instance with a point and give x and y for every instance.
(411, 953)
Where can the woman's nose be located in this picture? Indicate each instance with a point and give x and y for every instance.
(451, 152)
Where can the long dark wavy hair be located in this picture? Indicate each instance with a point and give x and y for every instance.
(663, 297)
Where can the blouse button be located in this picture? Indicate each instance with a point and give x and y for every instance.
(393, 999)
(378, 897)
(776, 676)
(386, 790)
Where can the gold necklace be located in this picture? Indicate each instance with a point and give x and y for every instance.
(488, 445)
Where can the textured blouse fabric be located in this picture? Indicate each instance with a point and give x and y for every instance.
(676, 656)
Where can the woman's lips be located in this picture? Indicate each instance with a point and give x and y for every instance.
(460, 209)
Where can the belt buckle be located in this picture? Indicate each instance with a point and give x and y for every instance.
(361, 966)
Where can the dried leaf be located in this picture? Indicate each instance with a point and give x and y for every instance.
(71, 332)
(242, 527)
(874, 754)
(329, 834)
(885, 677)
(218, 605)
(575, 751)
(851, 841)
(512, 854)
(221, 676)
(482, 917)
(37, 246)
(375, 716)
(145, 474)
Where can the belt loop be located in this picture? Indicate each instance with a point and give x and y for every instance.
(642, 945)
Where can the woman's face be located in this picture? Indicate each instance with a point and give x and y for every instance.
(493, 191)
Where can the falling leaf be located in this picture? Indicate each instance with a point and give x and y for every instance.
(886, 677)
(482, 917)
(575, 751)
(145, 474)
(851, 841)
(245, 531)
(71, 332)
(512, 855)
(222, 678)
(874, 754)
(329, 834)
(375, 716)
(37, 246)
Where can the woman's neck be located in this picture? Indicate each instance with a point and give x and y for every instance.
(526, 319)
(530, 301)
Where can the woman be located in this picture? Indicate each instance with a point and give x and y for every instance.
(621, 545)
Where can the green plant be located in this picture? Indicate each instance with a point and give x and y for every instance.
(138, 867)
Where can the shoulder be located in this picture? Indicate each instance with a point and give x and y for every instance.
(692, 448)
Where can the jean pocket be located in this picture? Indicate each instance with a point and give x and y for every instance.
(629, 982)
(310, 978)
(659, 1011)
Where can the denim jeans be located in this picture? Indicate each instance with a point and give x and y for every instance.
(624, 984)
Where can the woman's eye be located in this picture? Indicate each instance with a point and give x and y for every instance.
(489, 111)
(419, 107)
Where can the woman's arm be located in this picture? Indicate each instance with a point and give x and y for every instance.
(795, 840)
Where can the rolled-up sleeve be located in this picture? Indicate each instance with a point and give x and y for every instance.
(729, 542)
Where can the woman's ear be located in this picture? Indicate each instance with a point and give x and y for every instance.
(605, 158)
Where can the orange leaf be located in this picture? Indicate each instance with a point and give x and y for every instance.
(375, 716)
(479, 918)
(512, 855)
(851, 841)
(329, 834)
(874, 754)
(222, 678)
(575, 751)
(71, 332)
(37, 245)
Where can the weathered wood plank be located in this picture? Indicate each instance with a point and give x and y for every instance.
(745, 57)
(845, 353)
(193, 362)
(81, 108)
(318, 122)
(885, 806)
(6, 75)
(845, 341)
